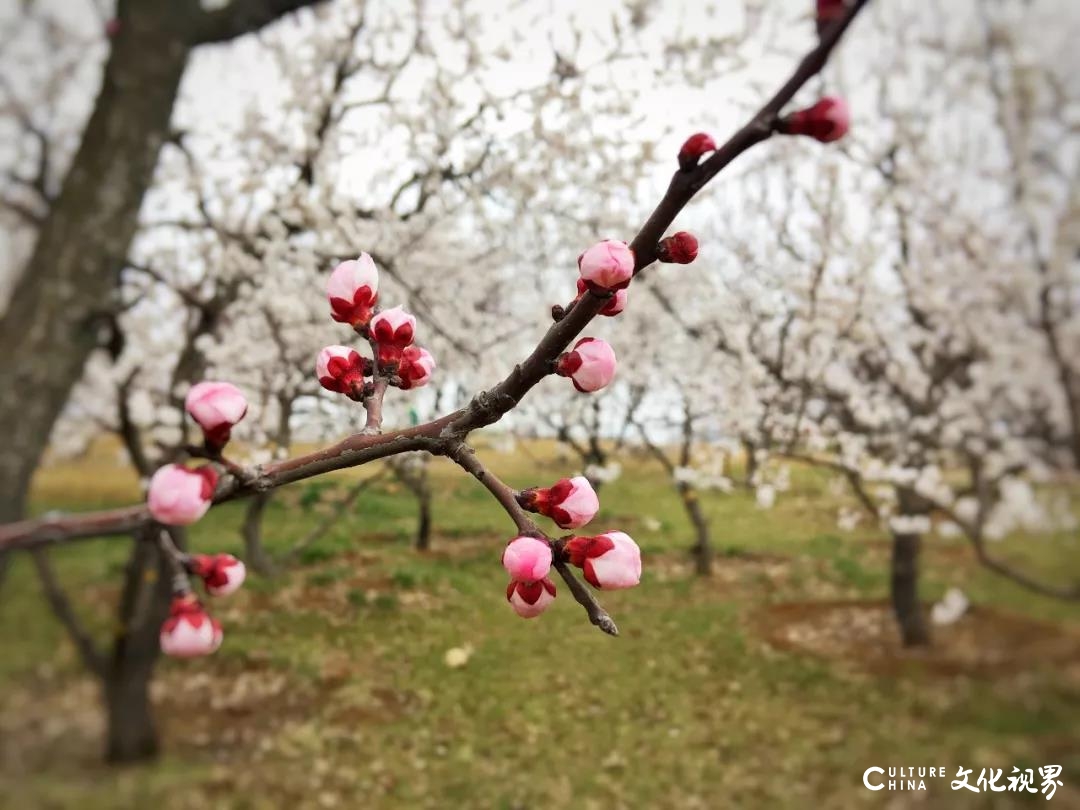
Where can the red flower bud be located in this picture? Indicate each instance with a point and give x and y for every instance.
(393, 329)
(610, 561)
(590, 364)
(353, 290)
(342, 370)
(530, 599)
(826, 121)
(614, 305)
(570, 502)
(415, 367)
(694, 147)
(828, 12)
(679, 248)
(189, 631)
(221, 573)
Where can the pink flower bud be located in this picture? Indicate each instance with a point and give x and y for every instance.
(216, 407)
(607, 265)
(189, 631)
(610, 561)
(416, 367)
(530, 599)
(571, 502)
(826, 121)
(614, 305)
(342, 370)
(693, 148)
(353, 290)
(527, 559)
(828, 12)
(179, 496)
(222, 574)
(393, 329)
(679, 248)
(590, 364)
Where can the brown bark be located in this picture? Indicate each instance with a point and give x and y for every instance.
(702, 548)
(255, 556)
(144, 604)
(65, 291)
(423, 524)
(416, 480)
(904, 590)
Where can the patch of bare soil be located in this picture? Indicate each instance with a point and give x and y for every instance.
(984, 642)
(229, 708)
(225, 709)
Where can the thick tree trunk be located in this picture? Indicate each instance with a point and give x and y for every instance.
(132, 734)
(255, 555)
(57, 305)
(64, 294)
(905, 590)
(702, 548)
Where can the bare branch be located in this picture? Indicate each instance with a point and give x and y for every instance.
(62, 609)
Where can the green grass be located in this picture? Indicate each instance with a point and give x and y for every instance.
(332, 689)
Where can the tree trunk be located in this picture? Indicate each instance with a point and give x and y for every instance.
(423, 528)
(905, 590)
(132, 735)
(144, 605)
(58, 303)
(749, 450)
(64, 294)
(702, 548)
(255, 555)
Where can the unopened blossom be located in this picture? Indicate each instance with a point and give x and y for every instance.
(342, 370)
(530, 599)
(828, 12)
(607, 265)
(527, 559)
(590, 364)
(828, 120)
(178, 496)
(415, 367)
(571, 502)
(610, 561)
(693, 148)
(393, 330)
(615, 304)
(216, 407)
(222, 574)
(353, 290)
(189, 631)
(679, 248)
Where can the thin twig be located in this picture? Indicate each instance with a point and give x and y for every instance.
(335, 515)
(466, 458)
(597, 615)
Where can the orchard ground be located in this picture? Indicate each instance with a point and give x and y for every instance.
(775, 683)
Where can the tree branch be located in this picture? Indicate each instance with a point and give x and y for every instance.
(241, 17)
(465, 457)
(597, 615)
(347, 500)
(61, 608)
(446, 435)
